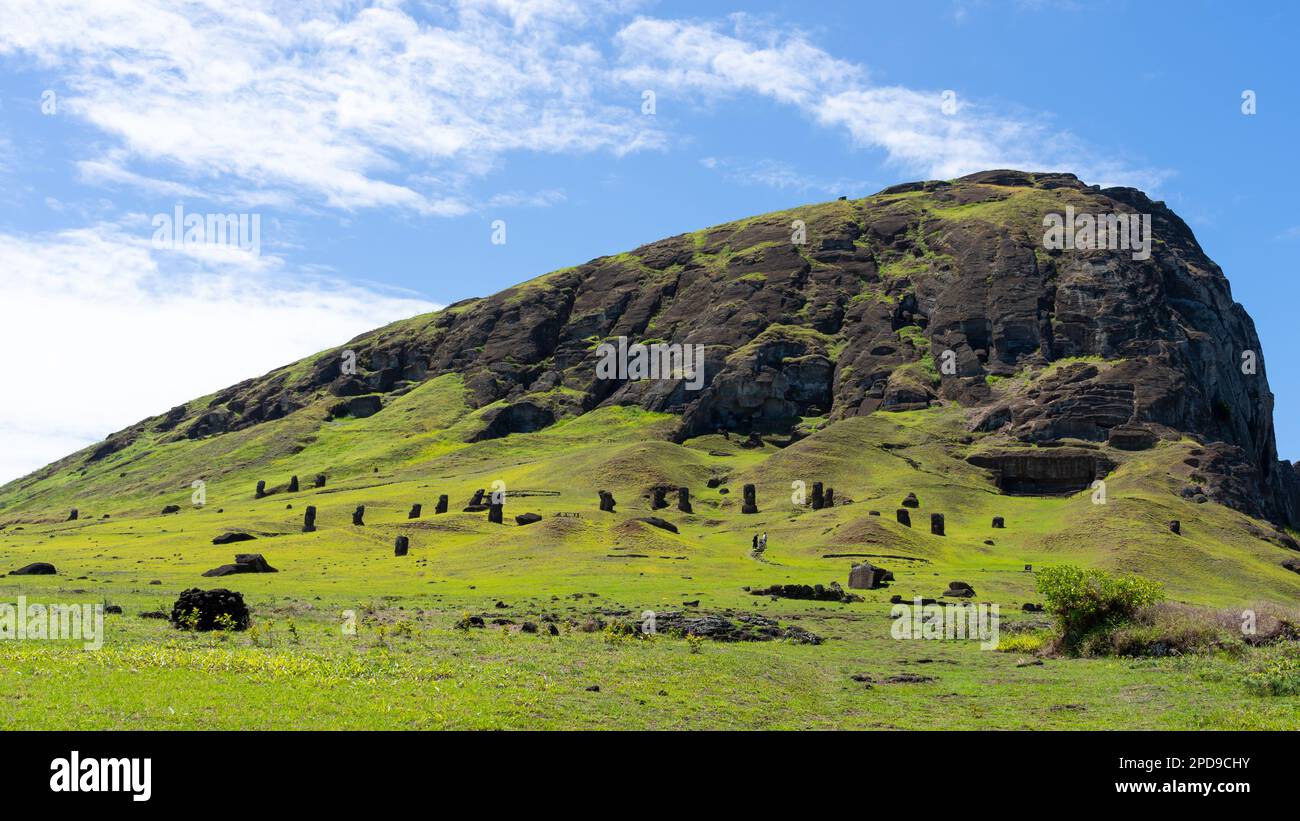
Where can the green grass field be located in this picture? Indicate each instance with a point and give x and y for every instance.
(407, 666)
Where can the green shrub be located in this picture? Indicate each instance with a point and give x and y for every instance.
(1276, 674)
(1022, 643)
(1089, 602)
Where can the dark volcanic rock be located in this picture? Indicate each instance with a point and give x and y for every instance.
(169, 509)
(244, 563)
(200, 609)
(816, 592)
(358, 407)
(527, 519)
(232, 536)
(1131, 438)
(34, 569)
(959, 590)
(1043, 471)
(655, 521)
(867, 576)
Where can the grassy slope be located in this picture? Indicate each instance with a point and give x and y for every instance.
(149, 675)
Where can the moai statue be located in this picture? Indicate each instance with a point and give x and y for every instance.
(606, 501)
(818, 496)
(936, 524)
(1175, 526)
(684, 500)
(999, 522)
(293, 484)
(261, 490)
(829, 499)
(358, 514)
(478, 498)
(402, 545)
(904, 518)
(751, 504)
(659, 502)
(72, 517)
(495, 512)
(415, 511)
(320, 480)
(309, 520)
(442, 504)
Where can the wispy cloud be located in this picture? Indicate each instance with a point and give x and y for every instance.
(783, 176)
(348, 106)
(124, 331)
(919, 131)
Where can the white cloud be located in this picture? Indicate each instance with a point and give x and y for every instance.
(349, 106)
(784, 177)
(910, 126)
(101, 330)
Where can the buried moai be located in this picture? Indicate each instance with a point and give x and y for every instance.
(358, 515)
(320, 480)
(442, 504)
(261, 490)
(818, 496)
(309, 520)
(72, 516)
(999, 522)
(751, 503)
(606, 501)
(415, 511)
(904, 518)
(659, 499)
(401, 546)
(684, 500)
(477, 498)
(495, 510)
(293, 484)
(829, 499)
(936, 524)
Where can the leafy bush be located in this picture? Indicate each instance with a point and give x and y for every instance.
(1087, 602)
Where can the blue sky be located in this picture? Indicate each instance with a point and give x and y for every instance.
(379, 143)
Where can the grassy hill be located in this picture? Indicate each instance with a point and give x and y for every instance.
(585, 571)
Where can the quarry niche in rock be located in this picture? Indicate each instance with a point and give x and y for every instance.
(1043, 471)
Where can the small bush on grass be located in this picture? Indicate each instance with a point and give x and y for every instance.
(1087, 602)
(1022, 643)
(1169, 630)
(1275, 674)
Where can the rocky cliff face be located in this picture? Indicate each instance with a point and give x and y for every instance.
(927, 292)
